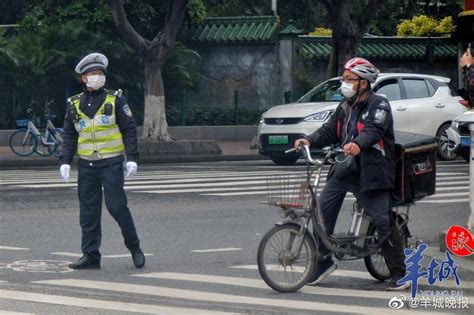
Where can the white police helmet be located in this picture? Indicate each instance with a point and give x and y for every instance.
(91, 62)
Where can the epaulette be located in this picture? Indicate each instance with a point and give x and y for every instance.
(117, 93)
(74, 98)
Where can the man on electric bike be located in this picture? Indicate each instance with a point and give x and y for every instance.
(363, 125)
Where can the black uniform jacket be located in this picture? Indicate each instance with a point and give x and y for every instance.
(375, 138)
(90, 102)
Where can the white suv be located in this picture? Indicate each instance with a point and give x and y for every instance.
(422, 104)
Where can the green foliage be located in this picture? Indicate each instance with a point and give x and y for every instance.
(423, 25)
(196, 11)
(321, 31)
(181, 68)
(37, 61)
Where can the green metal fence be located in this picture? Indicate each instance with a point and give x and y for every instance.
(183, 107)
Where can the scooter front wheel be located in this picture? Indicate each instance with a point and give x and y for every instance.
(279, 263)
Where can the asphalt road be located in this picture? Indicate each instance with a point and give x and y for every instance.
(200, 225)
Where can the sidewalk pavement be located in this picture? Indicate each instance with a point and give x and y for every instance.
(231, 151)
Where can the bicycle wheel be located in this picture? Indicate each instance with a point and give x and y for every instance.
(276, 260)
(375, 263)
(42, 148)
(22, 142)
(57, 137)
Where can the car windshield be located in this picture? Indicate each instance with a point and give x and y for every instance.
(328, 91)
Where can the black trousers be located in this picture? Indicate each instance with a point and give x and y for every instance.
(91, 179)
(377, 206)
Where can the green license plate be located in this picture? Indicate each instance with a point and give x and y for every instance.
(278, 139)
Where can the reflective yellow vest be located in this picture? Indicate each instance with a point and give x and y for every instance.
(99, 135)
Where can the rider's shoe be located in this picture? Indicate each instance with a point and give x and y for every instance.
(393, 286)
(323, 269)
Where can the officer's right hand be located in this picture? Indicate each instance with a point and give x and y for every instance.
(300, 142)
(64, 171)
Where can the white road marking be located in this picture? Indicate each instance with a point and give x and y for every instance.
(104, 256)
(448, 283)
(216, 297)
(260, 284)
(445, 200)
(13, 248)
(228, 249)
(2, 312)
(440, 184)
(452, 188)
(101, 304)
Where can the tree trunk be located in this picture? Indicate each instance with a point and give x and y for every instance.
(345, 36)
(154, 121)
(153, 54)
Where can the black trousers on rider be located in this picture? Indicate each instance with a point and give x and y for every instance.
(91, 178)
(377, 206)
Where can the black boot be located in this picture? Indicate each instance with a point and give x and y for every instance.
(393, 252)
(85, 263)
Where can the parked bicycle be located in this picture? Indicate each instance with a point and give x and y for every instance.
(288, 252)
(28, 139)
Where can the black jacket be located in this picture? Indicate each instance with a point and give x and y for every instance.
(375, 138)
(469, 84)
(90, 102)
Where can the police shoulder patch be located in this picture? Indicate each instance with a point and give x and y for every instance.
(380, 116)
(383, 104)
(127, 111)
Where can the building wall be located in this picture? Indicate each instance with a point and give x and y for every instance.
(251, 69)
(260, 74)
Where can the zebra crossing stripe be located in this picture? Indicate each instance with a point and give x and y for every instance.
(366, 276)
(101, 304)
(218, 297)
(14, 313)
(259, 284)
(459, 200)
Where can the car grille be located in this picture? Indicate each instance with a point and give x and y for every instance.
(463, 130)
(282, 121)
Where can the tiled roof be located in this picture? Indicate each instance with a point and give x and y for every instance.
(392, 48)
(242, 29)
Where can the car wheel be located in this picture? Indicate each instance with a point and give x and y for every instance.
(284, 160)
(445, 148)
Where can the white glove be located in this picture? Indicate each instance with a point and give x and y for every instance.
(64, 171)
(131, 169)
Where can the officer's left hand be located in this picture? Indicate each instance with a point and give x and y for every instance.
(131, 169)
(351, 149)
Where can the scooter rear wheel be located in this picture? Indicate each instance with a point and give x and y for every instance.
(375, 263)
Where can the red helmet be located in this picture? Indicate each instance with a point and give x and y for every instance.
(363, 68)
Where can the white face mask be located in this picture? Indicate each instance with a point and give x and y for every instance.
(95, 81)
(347, 89)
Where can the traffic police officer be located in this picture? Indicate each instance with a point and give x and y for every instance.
(100, 127)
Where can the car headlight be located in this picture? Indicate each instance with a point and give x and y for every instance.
(455, 125)
(261, 119)
(321, 116)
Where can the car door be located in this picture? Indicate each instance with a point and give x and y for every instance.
(425, 114)
(390, 88)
